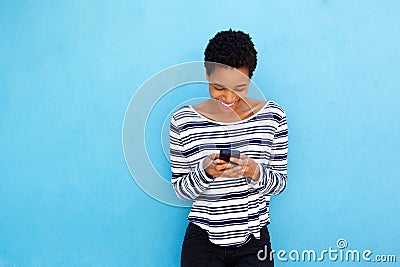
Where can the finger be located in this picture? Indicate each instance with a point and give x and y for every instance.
(233, 172)
(232, 165)
(221, 167)
(207, 163)
(213, 156)
(243, 156)
(236, 161)
(220, 161)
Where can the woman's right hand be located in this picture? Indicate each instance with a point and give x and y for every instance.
(213, 166)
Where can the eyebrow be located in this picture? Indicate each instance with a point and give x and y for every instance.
(237, 86)
(241, 85)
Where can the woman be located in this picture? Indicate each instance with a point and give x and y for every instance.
(230, 212)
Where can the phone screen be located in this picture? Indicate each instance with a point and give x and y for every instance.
(226, 154)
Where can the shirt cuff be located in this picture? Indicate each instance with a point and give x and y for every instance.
(207, 178)
(257, 183)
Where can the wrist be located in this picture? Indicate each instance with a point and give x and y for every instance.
(208, 175)
(256, 174)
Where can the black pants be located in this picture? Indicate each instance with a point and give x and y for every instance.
(198, 251)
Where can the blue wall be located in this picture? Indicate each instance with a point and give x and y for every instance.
(68, 70)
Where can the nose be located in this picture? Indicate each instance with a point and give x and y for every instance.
(229, 96)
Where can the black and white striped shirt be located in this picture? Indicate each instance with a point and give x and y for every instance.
(229, 209)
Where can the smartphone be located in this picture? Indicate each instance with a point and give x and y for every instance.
(226, 154)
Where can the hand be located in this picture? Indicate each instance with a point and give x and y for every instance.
(244, 166)
(216, 167)
(249, 166)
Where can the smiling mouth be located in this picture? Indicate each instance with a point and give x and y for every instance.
(228, 105)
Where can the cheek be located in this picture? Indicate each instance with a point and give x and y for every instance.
(214, 93)
(243, 94)
(240, 95)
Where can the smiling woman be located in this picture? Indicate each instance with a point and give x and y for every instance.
(230, 211)
(228, 88)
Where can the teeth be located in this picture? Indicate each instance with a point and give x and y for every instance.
(228, 105)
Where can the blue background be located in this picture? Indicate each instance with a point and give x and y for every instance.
(68, 70)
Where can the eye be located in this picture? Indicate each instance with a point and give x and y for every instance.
(218, 87)
(240, 89)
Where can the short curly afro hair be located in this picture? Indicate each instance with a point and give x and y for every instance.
(231, 48)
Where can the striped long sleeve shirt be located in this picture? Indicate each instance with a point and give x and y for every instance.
(229, 209)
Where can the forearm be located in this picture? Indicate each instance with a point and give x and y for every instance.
(273, 172)
(190, 185)
(270, 182)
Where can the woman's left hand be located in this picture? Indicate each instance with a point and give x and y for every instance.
(249, 166)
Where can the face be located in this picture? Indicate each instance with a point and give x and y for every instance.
(228, 86)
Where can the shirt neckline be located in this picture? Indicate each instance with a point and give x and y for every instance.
(233, 122)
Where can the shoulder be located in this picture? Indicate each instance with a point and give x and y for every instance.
(182, 112)
(266, 106)
(183, 116)
(276, 112)
(276, 108)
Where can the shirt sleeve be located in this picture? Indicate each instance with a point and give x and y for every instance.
(188, 182)
(273, 175)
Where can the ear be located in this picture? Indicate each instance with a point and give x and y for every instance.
(207, 76)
